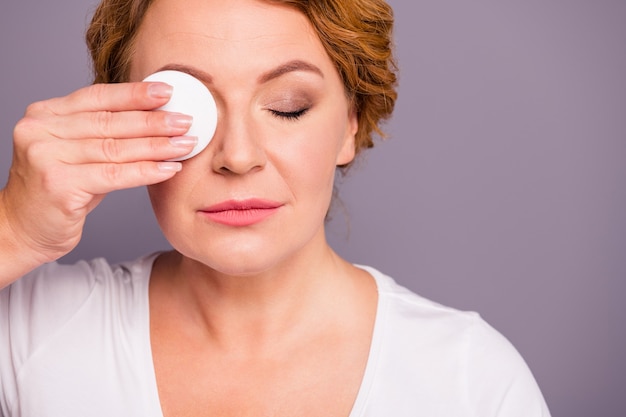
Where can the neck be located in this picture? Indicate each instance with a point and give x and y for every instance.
(239, 312)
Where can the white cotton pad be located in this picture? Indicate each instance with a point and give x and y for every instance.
(190, 97)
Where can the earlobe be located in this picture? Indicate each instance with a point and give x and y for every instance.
(348, 148)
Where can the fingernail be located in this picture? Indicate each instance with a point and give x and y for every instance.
(178, 120)
(160, 90)
(184, 141)
(169, 166)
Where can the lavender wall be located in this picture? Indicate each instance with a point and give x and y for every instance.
(500, 190)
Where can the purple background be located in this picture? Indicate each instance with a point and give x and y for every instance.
(500, 190)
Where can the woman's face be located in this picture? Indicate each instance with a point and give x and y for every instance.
(257, 196)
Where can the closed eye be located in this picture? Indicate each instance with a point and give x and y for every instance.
(289, 115)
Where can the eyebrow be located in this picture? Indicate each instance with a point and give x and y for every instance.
(194, 72)
(291, 66)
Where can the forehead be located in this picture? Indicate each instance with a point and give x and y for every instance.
(224, 36)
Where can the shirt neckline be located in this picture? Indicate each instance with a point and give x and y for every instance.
(371, 367)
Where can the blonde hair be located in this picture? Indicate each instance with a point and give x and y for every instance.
(357, 35)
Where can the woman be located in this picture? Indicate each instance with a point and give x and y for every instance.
(252, 313)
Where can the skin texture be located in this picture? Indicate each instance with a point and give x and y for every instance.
(262, 319)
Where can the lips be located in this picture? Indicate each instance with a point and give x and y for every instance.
(239, 213)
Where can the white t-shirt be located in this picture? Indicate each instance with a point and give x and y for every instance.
(75, 342)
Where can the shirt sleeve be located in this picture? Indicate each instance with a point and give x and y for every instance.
(4, 354)
(32, 310)
(500, 384)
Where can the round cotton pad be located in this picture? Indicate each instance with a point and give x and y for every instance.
(190, 97)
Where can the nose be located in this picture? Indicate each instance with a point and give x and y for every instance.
(237, 147)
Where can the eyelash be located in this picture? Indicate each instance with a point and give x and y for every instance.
(291, 115)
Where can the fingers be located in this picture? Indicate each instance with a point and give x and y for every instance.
(123, 151)
(128, 124)
(105, 123)
(109, 111)
(103, 178)
(105, 135)
(109, 97)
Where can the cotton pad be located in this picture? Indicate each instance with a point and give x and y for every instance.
(190, 97)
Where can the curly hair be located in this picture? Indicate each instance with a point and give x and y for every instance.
(356, 34)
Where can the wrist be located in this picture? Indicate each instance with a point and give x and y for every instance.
(16, 258)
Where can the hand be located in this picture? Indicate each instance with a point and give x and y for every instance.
(69, 152)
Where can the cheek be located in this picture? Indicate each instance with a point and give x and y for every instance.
(309, 156)
(164, 197)
(157, 198)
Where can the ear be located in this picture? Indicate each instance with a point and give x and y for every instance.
(348, 147)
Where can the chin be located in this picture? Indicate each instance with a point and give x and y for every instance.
(238, 262)
(245, 252)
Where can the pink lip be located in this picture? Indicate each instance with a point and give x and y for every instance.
(241, 212)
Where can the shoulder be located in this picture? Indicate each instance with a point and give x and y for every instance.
(450, 356)
(33, 308)
(66, 321)
(56, 287)
(409, 313)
